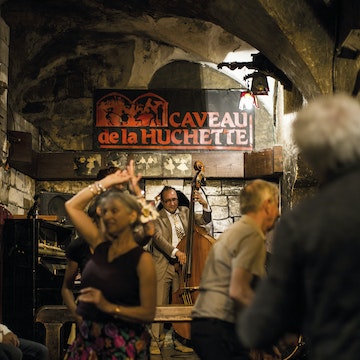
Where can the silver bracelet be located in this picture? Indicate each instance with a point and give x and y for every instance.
(91, 188)
(100, 187)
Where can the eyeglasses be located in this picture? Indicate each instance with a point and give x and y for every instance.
(168, 201)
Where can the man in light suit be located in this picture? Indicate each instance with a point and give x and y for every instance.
(166, 254)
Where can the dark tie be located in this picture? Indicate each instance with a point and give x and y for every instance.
(178, 227)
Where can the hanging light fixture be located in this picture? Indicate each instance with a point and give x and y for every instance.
(263, 67)
(259, 85)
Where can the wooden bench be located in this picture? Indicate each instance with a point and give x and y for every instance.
(53, 317)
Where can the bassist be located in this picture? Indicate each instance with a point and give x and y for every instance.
(170, 227)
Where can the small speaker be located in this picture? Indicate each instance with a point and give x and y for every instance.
(53, 203)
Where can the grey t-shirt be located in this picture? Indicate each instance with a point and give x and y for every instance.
(241, 246)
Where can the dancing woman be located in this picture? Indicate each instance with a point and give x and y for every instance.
(118, 289)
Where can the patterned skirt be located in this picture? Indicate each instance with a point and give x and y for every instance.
(110, 341)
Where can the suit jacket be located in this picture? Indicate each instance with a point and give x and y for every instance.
(161, 246)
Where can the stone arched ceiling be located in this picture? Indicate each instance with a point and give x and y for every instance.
(53, 42)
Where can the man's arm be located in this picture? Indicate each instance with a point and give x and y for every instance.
(240, 286)
(206, 215)
(277, 307)
(161, 236)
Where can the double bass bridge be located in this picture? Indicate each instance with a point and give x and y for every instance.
(186, 294)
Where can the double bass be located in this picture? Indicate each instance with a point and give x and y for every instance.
(196, 245)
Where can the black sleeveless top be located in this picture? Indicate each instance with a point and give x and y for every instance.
(118, 280)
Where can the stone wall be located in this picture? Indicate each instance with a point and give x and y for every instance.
(4, 64)
(17, 189)
(222, 195)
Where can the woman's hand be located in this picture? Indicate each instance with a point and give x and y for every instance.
(94, 296)
(116, 179)
(134, 179)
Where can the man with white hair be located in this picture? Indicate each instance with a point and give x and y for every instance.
(313, 284)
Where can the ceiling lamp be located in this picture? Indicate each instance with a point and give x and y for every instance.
(259, 85)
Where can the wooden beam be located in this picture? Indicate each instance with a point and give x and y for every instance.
(173, 313)
(84, 165)
(61, 314)
(40, 217)
(266, 163)
(62, 166)
(278, 159)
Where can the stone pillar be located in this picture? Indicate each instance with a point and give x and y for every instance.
(17, 189)
(4, 176)
(4, 65)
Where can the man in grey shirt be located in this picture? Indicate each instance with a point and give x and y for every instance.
(234, 262)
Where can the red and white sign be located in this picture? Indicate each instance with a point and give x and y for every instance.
(172, 119)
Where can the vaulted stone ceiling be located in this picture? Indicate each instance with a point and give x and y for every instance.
(55, 45)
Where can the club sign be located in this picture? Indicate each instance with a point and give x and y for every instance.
(171, 119)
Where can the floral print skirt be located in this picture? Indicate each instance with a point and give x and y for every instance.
(110, 341)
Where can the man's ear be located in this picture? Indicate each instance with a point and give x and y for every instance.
(266, 205)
